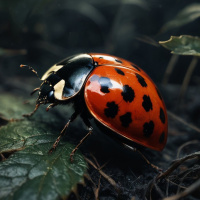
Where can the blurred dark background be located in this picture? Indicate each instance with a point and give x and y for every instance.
(42, 32)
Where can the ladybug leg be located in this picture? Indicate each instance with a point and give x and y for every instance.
(143, 156)
(30, 114)
(76, 148)
(51, 106)
(35, 90)
(63, 132)
(36, 107)
(87, 123)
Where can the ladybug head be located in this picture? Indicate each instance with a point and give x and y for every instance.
(51, 89)
(45, 94)
(64, 80)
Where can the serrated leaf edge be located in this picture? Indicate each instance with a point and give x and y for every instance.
(177, 37)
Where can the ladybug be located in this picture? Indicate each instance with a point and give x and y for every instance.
(118, 94)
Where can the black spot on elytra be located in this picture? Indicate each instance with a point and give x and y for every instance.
(126, 119)
(162, 116)
(128, 93)
(148, 128)
(141, 80)
(159, 93)
(162, 137)
(100, 57)
(111, 110)
(119, 61)
(136, 67)
(147, 105)
(105, 84)
(119, 71)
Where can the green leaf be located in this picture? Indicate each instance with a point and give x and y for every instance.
(10, 108)
(30, 172)
(19, 135)
(183, 45)
(185, 16)
(33, 174)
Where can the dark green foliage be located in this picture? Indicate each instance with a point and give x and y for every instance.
(27, 171)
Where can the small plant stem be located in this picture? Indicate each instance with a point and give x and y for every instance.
(169, 69)
(187, 78)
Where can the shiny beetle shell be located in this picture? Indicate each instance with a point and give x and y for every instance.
(117, 93)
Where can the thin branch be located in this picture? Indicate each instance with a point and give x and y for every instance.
(96, 189)
(186, 192)
(2, 157)
(187, 78)
(108, 178)
(159, 190)
(95, 160)
(169, 69)
(183, 121)
(186, 144)
(181, 182)
(177, 163)
(173, 167)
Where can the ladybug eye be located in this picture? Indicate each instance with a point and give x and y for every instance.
(51, 95)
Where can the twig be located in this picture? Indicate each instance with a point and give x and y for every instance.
(175, 184)
(2, 157)
(16, 120)
(96, 189)
(183, 121)
(181, 181)
(167, 187)
(159, 190)
(169, 69)
(99, 167)
(186, 144)
(177, 163)
(93, 157)
(108, 178)
(187, 78)
(133, 198)
(186, 192)
(11, 151)
(173, 167)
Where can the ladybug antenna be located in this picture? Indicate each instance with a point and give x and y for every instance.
(30, 68)
(35, 90)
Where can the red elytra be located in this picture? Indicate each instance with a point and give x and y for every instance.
(129, 104)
